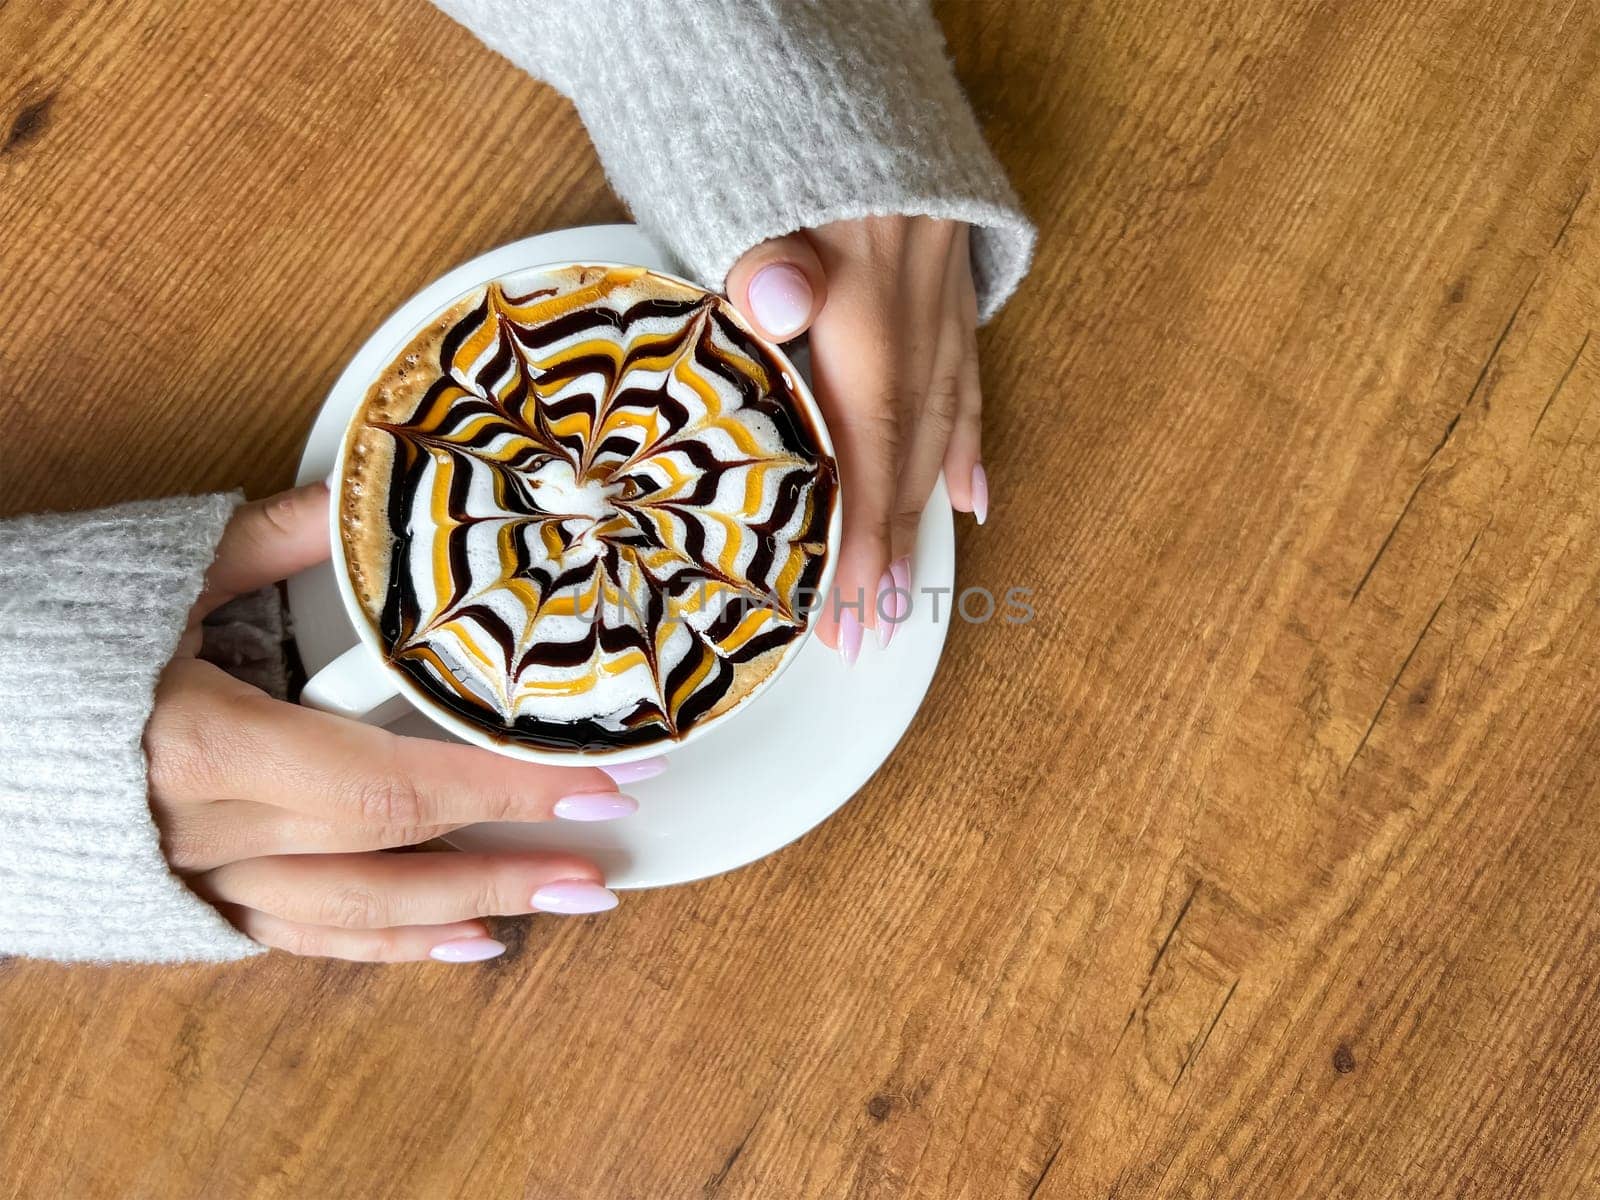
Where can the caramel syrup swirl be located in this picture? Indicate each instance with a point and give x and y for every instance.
(604, 511)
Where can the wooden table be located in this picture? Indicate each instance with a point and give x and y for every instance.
(1264, 863)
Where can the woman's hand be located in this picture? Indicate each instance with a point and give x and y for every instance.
(894, 359)
(280, 816)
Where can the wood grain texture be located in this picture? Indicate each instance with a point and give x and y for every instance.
(1262, 864)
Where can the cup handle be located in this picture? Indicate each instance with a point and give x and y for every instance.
(355, 686)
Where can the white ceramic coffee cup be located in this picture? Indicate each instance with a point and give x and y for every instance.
(362, 685)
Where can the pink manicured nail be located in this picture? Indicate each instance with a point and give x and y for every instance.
(898, 577)
(780, 299)
(595, 806)
(573, 896)
(849, 637)
(980, 493)
(467, 950)
(633, 772)
(883, 608)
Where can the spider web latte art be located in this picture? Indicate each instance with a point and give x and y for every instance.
(588, 515)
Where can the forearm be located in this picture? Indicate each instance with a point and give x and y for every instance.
(91, 608)
(725, 122)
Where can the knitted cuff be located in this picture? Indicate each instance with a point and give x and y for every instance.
(726, 122)
(91, 608)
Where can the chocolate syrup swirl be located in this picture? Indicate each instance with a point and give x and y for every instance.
(587, 516)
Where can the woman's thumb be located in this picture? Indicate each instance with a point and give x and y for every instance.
(779, 286)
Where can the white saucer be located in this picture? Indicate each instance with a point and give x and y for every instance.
(782, 767)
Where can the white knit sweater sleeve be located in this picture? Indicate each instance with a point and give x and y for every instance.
(91, 608)
(726, 122)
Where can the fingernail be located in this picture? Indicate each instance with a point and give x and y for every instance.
(883, 608)
(780, 299)
(897, 577)
(467, 950)
(849, 637)
(633, 772)
(901, 570)
(595, 806)
(980, 493)
(573, 896)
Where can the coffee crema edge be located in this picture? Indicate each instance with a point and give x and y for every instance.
(709, 339)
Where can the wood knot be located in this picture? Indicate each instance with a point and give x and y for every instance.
(878, 1108)
(1344, 1059)
(28, 124)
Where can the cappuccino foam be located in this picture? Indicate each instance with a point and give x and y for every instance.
(587, 515)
